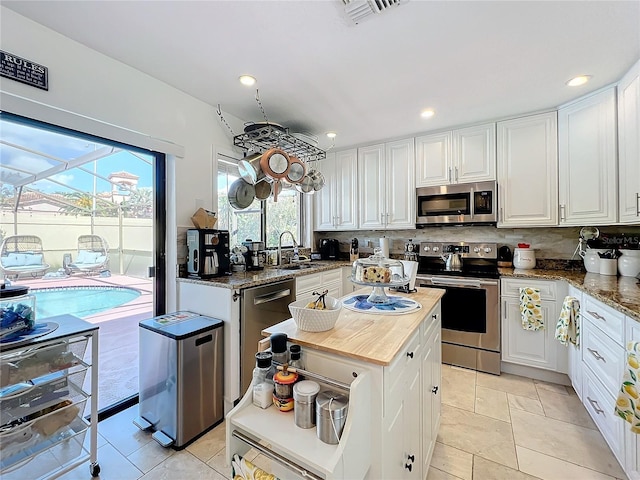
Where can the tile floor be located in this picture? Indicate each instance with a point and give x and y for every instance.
(492, 428)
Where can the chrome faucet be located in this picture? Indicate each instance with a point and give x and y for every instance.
(293, 239)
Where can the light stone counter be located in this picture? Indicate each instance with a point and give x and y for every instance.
(621, 293)
(254, 278)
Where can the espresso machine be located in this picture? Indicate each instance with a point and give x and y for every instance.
(208, 253)
(254, 257)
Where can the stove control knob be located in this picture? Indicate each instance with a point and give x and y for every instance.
(476, 249)
(435, 249)
(487, 249)
(427, 248)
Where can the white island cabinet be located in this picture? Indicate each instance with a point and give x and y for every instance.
(391, 365)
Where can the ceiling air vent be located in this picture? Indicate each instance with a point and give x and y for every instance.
(358, 10)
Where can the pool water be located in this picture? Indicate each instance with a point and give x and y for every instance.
(80, 301)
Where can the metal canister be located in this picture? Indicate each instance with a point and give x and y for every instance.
(331, 415)
(283, 392)
(304, 397)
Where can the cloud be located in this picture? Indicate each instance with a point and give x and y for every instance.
(65, 178)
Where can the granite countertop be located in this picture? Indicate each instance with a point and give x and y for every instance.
(254, 278)
(621, 293)
(373, 338)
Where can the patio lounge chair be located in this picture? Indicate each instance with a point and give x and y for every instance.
(93, 255)
(22, 254)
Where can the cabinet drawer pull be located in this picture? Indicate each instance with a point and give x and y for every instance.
(562, 212)
(455, 179)
(597, 355)
(637, 204)
(410, 354)
(449, 174)
(595, 315)
(595, 406)
(408, 466)
(434, 390)
(412, 458)
(434, 316)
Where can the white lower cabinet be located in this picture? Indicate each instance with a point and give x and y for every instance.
(330, 280)
(602, 362)
(431, 381)
(575, 354)
(538, 348)
(392, 421)
(631, 440)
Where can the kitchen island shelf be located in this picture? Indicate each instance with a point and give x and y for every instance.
(302, 446)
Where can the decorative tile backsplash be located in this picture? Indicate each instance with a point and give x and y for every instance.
(549, 243)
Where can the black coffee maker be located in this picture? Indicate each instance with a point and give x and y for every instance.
(208, 253)
(329, 249)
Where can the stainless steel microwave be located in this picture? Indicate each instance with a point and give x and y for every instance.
(463, 203)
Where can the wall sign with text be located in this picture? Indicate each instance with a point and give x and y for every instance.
(23, 70)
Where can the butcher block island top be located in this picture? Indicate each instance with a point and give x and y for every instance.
(371, 337)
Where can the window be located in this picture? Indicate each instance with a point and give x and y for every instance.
(248, 223)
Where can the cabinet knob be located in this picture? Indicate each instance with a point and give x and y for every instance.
(408, 466)
(434, 316)
(412, 458)
(434, 390)
(410, 354)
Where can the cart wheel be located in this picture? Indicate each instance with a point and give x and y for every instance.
(94, 469)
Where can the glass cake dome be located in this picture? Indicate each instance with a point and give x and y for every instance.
(378, 272)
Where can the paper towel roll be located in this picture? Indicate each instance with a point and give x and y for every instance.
(384, 246)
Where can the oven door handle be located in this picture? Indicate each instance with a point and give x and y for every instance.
(461, 282)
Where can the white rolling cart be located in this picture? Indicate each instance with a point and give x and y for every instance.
(43, 400)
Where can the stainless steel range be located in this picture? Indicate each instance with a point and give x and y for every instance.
(471, 305)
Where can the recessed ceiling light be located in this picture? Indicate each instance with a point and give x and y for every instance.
(247, 80)
(427, 113)
(579, 80)
(331, 134)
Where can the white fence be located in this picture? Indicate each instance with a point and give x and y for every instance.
(130, 244)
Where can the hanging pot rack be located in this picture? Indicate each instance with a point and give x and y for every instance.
(268, 136)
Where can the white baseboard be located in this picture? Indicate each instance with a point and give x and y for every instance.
(535, 373)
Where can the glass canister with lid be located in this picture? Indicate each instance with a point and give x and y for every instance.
(17, 310)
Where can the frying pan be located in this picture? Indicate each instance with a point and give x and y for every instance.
(306, 184)
(263, 189)
(241, 194)
(275, 163)
(297, 170)
(249, 168)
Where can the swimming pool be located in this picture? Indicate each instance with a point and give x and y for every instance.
(80, 301)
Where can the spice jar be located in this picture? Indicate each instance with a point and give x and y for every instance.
(304, 396)
(283, 392)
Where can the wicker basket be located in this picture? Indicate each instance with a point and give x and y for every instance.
(311, 320)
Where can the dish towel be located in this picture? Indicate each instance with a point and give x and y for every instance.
(245, 470)
(530, 309)
(628, 398)
(568, 327)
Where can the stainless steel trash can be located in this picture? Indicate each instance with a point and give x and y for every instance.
(181, 377)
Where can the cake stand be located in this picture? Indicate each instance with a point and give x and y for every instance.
(378, 296)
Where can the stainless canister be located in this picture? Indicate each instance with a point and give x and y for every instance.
(331, 415)
(304, 398)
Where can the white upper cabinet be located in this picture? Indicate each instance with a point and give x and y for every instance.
(474, 154)
(528, 171)
(433, 159)
(587, 171)
(629, 146)
(336, 204)
(386, 185)
(459, 156)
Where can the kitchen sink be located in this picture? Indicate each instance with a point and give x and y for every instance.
(296, 266)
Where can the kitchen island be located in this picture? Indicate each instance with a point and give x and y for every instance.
(391, 367)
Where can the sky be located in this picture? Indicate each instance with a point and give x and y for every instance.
(42, 148)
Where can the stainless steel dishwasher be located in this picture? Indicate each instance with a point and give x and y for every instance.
(260, 307)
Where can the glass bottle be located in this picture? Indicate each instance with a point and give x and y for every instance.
(263, 380)
(296, 360)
